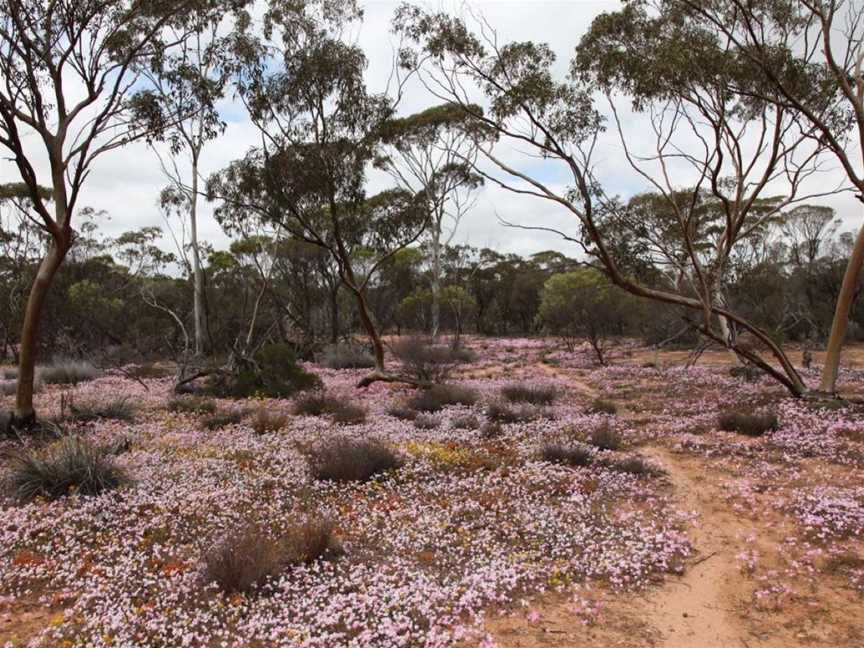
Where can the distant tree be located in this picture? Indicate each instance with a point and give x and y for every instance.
(189, 81)
(320, 130)
(806, 58)
(556, 120)
(432, 153)
(71, 87)
(583, 304)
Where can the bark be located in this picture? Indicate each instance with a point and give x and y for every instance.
(197, 272)
(334, 314)
(57, 249)
(436, 280)
(841, 316)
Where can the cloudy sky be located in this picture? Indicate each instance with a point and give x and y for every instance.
(125, 183)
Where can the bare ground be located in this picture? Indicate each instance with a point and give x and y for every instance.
(709, 605)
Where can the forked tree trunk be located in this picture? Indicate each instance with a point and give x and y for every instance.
(24, 412)
(848, 288)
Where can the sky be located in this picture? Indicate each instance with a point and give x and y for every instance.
(125, 183)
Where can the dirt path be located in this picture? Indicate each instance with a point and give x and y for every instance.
(705, 607)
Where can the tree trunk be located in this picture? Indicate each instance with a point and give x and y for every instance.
(24, 412)
(436, 279)
(334, 314)
(841, 316)
(197, 273)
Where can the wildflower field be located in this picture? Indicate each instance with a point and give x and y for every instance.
(542, 501)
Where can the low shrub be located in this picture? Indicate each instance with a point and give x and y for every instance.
(748, 372)
(602, 406)
(344, 459)
(222, 418)
(274, 373)
(491, 430)
(348, 413)
(501, 412)
(8, 388)
(747, 422)
(347, 356)
(117, 409)
(465, 422)
(401, 412)
(246, 558)
(438, 396)
(535, 394)
(10, 373)
(427, 422)
(425, 361)
(67, 372)
(320, 403)
(191, 405)
(635, 465)
(70, 465)
(575, 455)
(605, 437)
(267, 421)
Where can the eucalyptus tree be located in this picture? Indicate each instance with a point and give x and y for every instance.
(320, 131)
(557, 120)
(806, 57)
(432, 153)
(189, 81)
(71, 91)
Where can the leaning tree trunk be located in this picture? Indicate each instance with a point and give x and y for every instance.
(24, 413)
(841, 316)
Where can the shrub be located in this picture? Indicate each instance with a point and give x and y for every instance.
(67, 372)
(320, 403)
(192, 405)
(242, 560)
(636, 465)
(117, 409)
(347, 356)
(438, 396)
(501, 412)
(748, 372)
(72, 464)
(401, 412)
(491, 430)
(8, 388)
(746, 422)
(249, 556)
(575, 455)
(222, 418)
(605, 438)
(343, 459)
(602, 406)
(10, 373)
(425, 361)
(466, 422)
(267, 421)
(426, 422)
(527, 393)
(348, 413)
(274, 372)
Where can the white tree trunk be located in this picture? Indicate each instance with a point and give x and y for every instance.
(197, 273)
